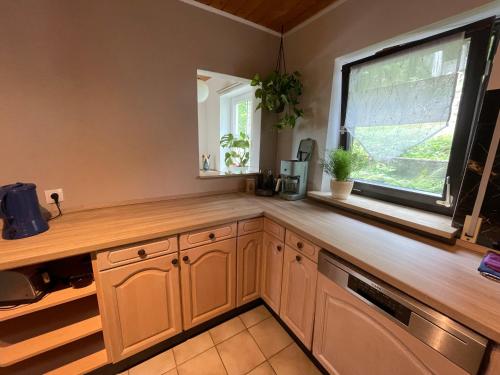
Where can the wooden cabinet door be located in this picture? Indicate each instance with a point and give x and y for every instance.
(142, 304)
(298, 294)
(208, 278)
(248, 260)
(272, 268)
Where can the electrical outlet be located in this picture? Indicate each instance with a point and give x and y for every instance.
(48, 193)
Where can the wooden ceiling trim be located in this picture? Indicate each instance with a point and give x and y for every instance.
(272, 14)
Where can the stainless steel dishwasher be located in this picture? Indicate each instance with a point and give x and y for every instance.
(366, 327)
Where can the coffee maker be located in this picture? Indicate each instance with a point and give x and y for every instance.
(292, 183)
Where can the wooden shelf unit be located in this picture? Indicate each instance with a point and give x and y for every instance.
(30, 335)
(54, 298)
(79, 357)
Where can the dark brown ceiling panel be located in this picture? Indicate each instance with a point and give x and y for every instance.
(273, 14)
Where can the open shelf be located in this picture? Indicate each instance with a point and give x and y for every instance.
(83, 365)
(30, 335)
(79, 357)
(54, 298)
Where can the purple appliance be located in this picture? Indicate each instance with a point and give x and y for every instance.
(20, 211)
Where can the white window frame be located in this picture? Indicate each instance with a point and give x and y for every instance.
(247, 96)
(228, 123)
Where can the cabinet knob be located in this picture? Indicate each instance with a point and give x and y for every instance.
(141, 253)
(185, 258)
(175, 261)
(278, 248)
(211, 236)
(299, 258)
(300, 245)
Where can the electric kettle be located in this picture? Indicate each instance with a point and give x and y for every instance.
(20, 211)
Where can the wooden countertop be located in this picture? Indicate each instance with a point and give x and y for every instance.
(442, 276)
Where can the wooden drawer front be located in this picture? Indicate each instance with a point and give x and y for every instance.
(274, 229)
(303, 246)
(206, 236)
(125, 255)
(250, 226)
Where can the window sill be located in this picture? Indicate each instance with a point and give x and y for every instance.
(219, 174)
(423, 221)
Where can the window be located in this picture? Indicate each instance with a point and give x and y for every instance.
(226, 105)
(241, 114)
(407, 114)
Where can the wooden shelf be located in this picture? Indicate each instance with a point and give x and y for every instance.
(54, 298)
(17, 352)
(78, 357)
(83, 365)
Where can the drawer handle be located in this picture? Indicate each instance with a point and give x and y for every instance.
(278, 248)
(300, 245)
(141, 253)
(175, 261)
(299, 258)
(211, 236)
(185, 258)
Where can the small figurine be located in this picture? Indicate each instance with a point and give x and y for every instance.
(206, 162)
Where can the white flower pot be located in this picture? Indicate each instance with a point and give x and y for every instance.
(341, 189)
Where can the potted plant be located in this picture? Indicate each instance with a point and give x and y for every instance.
(279, 93)
(339, 164)
(237, 155)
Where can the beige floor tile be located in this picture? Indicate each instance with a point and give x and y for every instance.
(207, 363)
(263, 369)
(159, 364)
(192, 347)
(270, 337)
(240, 354)
(293, 361)
(172, 372)
(252, 317)
(226, 330)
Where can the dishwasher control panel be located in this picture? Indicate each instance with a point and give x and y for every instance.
(379, 299)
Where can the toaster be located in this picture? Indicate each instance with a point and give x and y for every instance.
(22, 285)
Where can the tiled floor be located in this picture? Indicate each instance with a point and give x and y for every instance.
(253, 343)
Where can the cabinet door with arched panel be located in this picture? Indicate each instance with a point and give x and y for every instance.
(272, 268)
(208, 281)
(141, 304)
(248, 265)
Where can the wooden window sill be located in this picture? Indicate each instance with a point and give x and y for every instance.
(412, 218)
(219, 174)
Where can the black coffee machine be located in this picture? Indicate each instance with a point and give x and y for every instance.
(20, 211)
(265, 183)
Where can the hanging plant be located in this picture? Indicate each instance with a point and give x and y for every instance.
(280, 92)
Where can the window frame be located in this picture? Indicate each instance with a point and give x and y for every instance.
(472, 95)
(246, 96)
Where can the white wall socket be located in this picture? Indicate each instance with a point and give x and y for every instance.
(49, 200)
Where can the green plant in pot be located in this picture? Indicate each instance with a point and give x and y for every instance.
(237, 154)
(339, 164)
(279, 93)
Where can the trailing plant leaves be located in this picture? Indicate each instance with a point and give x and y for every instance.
(279, 93)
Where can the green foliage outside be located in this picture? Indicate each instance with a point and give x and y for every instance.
(243, 115)
(414, 169)
(237, 154)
